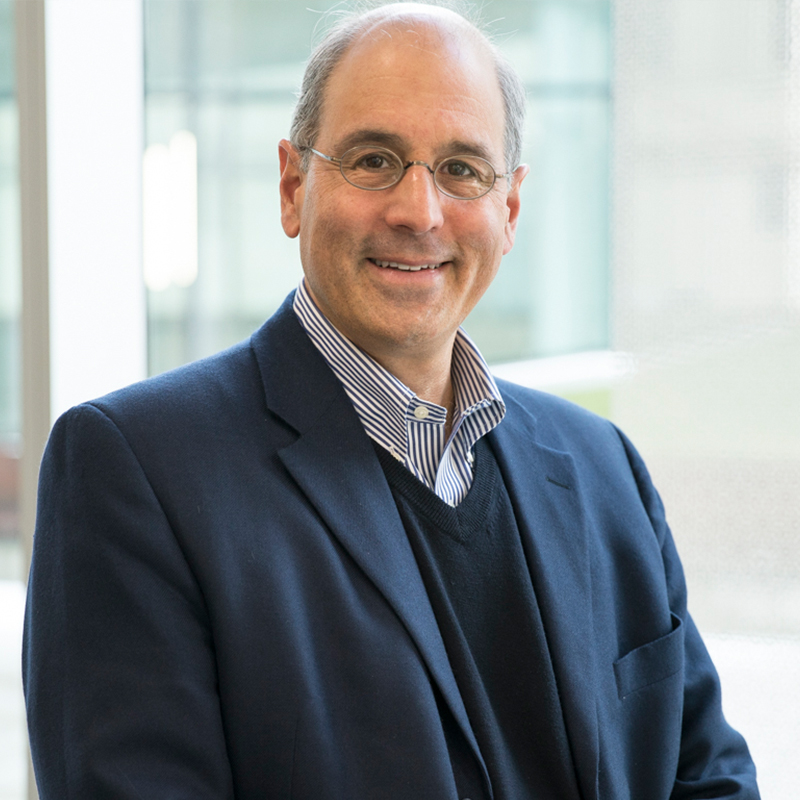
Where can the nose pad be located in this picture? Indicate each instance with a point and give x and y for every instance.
(419, 164)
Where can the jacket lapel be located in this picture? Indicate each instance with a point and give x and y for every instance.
(545, 493)
(334, 464)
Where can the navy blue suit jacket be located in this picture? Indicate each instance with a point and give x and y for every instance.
(223, 602)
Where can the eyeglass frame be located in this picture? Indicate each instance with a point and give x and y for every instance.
(406, 167)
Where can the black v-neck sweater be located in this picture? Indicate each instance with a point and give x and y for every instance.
(475, 571)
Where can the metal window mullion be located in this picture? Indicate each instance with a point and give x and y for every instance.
(32, 105)
(35, 323)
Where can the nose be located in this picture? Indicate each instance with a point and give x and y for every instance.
(415, 203)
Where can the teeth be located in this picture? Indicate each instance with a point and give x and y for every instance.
(405, 267)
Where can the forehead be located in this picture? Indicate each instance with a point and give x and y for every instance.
(426, 83)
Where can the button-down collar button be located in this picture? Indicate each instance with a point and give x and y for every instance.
(420, 412)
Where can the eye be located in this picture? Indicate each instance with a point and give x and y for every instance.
(458, 169)
(374, 162)
(371, 167)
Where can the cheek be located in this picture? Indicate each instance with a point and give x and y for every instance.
(317, 232)
(487, 275)
(492, 245)
(327, 248)
(335, 222)
(489, 224)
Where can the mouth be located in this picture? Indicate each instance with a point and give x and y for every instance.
(404, 267)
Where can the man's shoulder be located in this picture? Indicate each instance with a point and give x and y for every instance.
(176, 411)
(595, 444)
(193, 386)
(551, 414)
(257, 389)
(216, 384)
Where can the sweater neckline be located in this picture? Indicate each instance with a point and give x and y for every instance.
(456, 521)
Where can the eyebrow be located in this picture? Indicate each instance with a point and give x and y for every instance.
(392, 141)
(400, 145)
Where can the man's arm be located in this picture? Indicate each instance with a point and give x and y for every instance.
(118, 663)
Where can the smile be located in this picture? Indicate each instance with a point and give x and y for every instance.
(404, 267)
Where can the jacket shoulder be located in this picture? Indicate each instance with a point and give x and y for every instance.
(199, 389)
(217, 384)
(558, 421)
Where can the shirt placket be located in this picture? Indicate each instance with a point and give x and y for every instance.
(425, 430)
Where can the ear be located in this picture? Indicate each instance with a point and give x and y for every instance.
(291, 188)
(513, 205)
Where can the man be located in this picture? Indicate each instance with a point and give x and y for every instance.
(337, 561)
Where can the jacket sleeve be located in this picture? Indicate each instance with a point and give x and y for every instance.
(118, 662)
(714, 760)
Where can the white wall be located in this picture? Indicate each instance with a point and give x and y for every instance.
(95, 132)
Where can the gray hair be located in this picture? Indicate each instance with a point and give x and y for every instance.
(329, 52)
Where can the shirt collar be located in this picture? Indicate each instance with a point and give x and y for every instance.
(473, 385)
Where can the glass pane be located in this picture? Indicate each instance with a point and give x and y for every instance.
(227, 73)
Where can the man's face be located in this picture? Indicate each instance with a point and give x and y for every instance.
(426, 96)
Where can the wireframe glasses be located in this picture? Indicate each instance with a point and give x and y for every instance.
(374, 168)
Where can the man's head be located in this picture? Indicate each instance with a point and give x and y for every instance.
(308, 111)
(397, 270)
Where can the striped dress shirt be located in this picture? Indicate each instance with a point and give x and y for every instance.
(410, 428)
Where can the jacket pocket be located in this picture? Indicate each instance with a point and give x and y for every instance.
(652, 662)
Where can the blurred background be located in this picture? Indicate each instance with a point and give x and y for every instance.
(655, 278)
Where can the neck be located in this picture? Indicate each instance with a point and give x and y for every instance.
(427, 376)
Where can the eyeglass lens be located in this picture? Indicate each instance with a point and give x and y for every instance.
(378, 168)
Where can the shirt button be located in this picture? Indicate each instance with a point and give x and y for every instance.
(420, 412)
